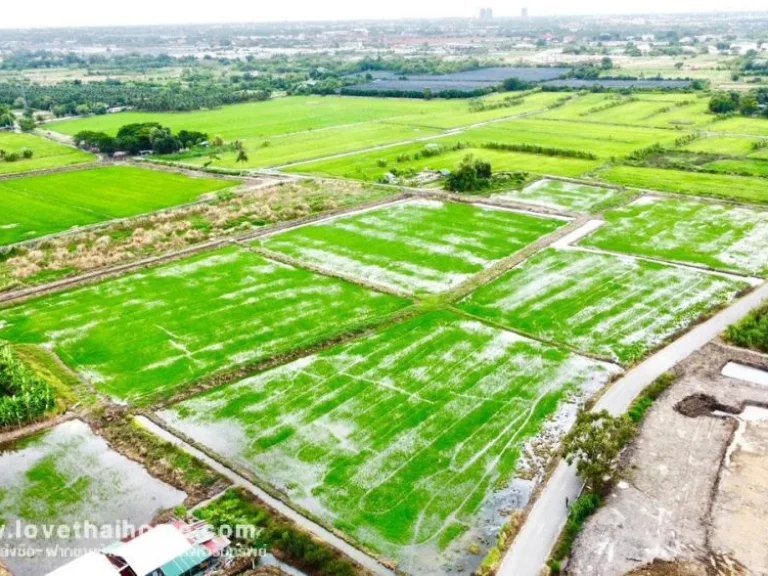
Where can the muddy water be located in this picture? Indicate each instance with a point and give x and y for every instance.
(60, 480)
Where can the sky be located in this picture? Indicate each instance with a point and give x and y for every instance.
(60, 13)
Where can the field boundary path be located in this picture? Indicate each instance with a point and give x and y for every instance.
(155, 425)
(533, 544)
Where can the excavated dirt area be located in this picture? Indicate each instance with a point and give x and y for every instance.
(695, 497)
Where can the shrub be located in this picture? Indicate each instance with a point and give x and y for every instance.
(752, 331)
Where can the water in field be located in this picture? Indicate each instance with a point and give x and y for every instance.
(409, 439)
(61, 479)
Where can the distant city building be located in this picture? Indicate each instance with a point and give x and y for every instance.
(486, 13)
(524, 13)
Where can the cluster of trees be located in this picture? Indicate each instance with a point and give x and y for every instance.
(76, 97)
(24, 396)
(25, 154)
(471, 175)
(543, 150)
(748, 104)
(37, 59)
(140, 137)
(6, 116)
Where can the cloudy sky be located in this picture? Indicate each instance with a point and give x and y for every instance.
(44, 13)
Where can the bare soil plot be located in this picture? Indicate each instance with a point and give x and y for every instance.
(68, 475)
(399, 438)
(612, 306)
(719, 236)
(695, 497)
(145, 334)
(421, 246)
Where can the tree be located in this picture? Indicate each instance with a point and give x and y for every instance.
(606, 63)
(748, 105)
(724, 102)
(27, 124)
(242, 156)
(594, 444)
(515, 84)
(470, 175)
(678, 65)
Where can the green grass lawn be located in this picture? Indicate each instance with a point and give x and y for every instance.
(400, 437)
(39, 205)
(420, 246)
(147, 333)
(563, 195)
(696, 184)
(46, 154)
(613, 306)
(69, 475)
(281, 150)
(723, 237)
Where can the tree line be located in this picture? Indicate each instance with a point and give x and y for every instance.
(140, 137)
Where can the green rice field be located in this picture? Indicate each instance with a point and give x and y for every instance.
(562, 195)
(372, 166)
(419, 246)
(605, 141)
(69, 475)
(302, 113)
(615, 307)
(730, 145)
(45, 153)
(281, 150)
(400, 437)
(145, 334)
(36, 206)
(743, 188)
(730, 238)
(741, 125)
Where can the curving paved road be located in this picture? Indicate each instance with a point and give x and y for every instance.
(533, 544)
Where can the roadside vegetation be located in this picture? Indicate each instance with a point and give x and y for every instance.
(595, 444)
(280, 537)
(752, 331)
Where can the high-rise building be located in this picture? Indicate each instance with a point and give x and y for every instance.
(486, 13)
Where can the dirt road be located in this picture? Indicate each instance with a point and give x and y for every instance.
(533, 544)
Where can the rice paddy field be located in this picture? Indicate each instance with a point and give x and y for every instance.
(36, 206)
(328, 357)
(45, 153)
(70, 475)
(419, 246)
(615, 307)
(738, 188)
(303, 113)
(398, 438)
(731, 238)
(372, 166)
(563, 195)
(603, 140)
(147, 333)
